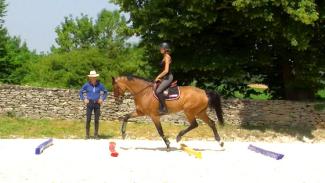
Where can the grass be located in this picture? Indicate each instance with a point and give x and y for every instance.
(321, 93)
(11, 127)
(260, 96)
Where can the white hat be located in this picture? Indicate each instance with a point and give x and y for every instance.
(93, 74)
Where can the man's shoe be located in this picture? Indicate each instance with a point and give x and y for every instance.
(86, 137)
(96, 137)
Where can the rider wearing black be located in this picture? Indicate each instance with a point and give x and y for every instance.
(165, 77)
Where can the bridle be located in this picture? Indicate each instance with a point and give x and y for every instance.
(119, 90)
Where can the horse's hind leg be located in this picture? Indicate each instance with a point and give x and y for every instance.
(193, 124)
(156, 121)
(204, 116)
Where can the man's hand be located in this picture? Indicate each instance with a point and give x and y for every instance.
(100, 101)
(86, 101)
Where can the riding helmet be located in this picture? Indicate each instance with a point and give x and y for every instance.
(165, 45)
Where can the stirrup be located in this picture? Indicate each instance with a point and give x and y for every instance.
(163, 111)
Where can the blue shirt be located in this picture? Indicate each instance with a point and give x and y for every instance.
(93, 91)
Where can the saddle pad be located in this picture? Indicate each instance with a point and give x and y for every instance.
(172, 93)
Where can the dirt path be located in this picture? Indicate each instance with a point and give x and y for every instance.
(142, 161)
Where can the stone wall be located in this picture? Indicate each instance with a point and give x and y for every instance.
(65, 104)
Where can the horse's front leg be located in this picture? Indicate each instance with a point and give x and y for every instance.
(156, 121)
(125, 121)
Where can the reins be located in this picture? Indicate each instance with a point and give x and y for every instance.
(142, 89)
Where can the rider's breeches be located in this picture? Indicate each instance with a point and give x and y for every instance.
(165, 83)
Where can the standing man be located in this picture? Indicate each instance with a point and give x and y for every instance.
(93, 100)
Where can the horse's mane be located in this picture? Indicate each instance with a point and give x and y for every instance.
(131, 77)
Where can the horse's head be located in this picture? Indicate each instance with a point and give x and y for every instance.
(130, 83)
(118, 87)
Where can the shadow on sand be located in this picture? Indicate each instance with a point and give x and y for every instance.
(164, 149)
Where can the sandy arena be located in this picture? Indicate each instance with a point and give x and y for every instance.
(144, 161)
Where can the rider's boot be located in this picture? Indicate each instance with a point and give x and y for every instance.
(162, 104)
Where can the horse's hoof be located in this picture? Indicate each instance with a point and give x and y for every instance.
(178, 138)
(167, 146)
(123, 136)
(221, 144)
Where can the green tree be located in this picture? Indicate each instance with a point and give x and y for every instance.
(70, 69)
(292, 44)
(13, 53)
(108, 30)
(83, 45)
(3, 39)
(17, 55)
(3, 31)
(226, 44)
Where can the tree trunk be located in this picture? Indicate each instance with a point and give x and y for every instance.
(290, 91)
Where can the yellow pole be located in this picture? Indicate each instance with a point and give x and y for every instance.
(191, 151)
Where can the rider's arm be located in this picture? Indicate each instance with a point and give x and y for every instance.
(166, 69)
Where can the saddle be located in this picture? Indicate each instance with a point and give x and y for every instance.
(171, 93)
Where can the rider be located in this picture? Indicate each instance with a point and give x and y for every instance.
(165, 77)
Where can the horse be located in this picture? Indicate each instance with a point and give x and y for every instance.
(193, 101)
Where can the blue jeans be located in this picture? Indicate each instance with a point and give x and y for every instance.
(92, 106)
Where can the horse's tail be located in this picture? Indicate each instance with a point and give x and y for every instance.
(215, 102)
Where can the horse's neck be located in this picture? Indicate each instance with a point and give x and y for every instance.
(136, 87)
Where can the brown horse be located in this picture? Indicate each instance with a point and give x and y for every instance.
(193, 101)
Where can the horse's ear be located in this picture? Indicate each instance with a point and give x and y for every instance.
(113, 79)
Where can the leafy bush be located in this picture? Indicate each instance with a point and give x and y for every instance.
(70, 70)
